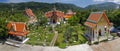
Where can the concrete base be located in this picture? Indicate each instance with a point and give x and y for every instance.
(16, 43)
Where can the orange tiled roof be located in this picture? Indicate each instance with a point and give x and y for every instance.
(69, 14)
(29, 13)
(56, 12)
(89, 24)
(18, 33)
(95, 17)
(19, 28)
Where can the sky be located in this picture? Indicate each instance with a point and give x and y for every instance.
(81, 3)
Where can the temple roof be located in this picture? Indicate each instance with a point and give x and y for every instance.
(89, 24)
(69, 14)
(94, 18)
(54, 11)
(29, 12)
(17, 28)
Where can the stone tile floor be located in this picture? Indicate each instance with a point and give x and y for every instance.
(112, 45)
(83, 47)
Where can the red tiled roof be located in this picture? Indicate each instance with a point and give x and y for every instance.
(29, 13)
(69, 14)
(58, 13)
(89, 24)
(18, 33)
(19, 28)
(95, 17)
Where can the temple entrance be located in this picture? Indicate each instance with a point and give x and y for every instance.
(54, 21)
(100, 33)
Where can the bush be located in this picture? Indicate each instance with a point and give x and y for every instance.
(3, 28)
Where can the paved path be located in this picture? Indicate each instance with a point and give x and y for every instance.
(113, 45)
(104, 46)
(54, 38)
(83, 47)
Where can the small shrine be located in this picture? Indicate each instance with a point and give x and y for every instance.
(97, 26)
(17, 33)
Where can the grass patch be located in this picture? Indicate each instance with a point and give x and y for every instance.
(40, 37)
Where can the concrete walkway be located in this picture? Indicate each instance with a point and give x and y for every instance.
(83, 47)
(113, 45)
(54, 38)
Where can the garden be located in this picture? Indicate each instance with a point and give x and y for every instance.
(68, 34)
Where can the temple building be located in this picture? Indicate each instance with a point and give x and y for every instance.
(32, 18)
(55, 16)
(97, 26)
(17, 32)
(69, 14)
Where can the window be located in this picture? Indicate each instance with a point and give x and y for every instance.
(105, 29)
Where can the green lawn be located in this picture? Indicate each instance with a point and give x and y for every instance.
(40, 37)
(44, 35)
(61, 40)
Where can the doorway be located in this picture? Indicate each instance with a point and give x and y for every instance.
(100, 32)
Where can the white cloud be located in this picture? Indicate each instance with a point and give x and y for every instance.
(115, 1)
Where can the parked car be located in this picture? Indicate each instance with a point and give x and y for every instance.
(118, 34)
(113, 30)
(118, 31)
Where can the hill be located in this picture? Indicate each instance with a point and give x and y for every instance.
(37, 6)
(103, 6)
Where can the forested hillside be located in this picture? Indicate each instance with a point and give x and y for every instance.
(15, 11)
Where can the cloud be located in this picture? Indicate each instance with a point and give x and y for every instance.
(115, 1)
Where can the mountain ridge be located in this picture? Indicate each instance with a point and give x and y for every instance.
(60, 6)
(103, 6)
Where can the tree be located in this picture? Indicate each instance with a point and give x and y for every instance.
(18, 17)
(73, 20)
(71, 35)
(114, 17)
(42, 20)
(3, 28)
